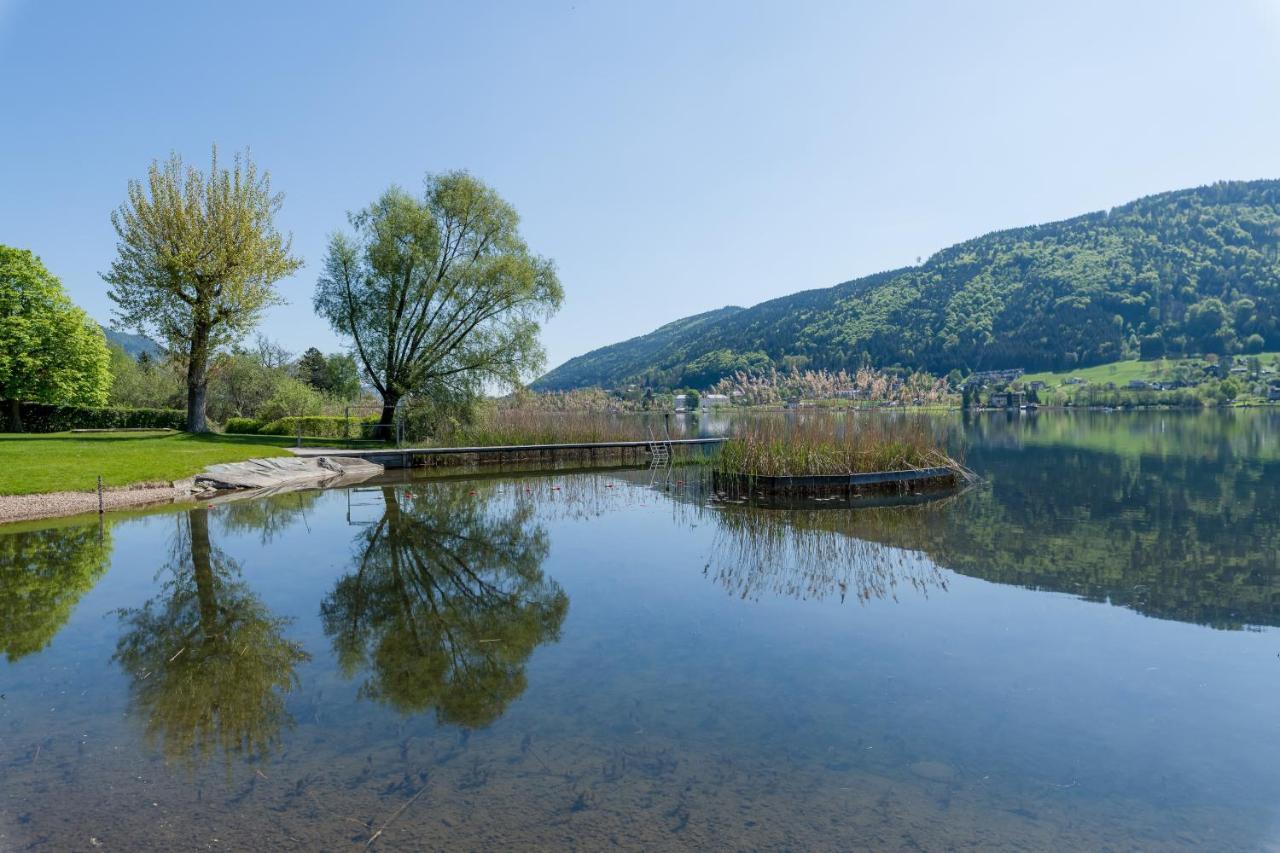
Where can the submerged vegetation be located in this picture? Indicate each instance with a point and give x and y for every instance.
(768, 447)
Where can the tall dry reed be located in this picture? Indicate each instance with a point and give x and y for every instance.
(774, 447)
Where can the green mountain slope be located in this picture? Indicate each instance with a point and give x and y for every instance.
(1191, 271)
(133, 344)
(615, 364)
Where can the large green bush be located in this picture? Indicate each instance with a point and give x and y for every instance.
(243, 426)
(43, 417)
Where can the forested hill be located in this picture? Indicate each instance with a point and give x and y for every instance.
(1191, 271)
(133, 344)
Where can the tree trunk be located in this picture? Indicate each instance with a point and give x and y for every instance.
(15, 416)
(386, 422)
(198, 379)
(202, 566)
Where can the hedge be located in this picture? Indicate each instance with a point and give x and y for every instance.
(243, 426)
(320, 426)
(42, 417)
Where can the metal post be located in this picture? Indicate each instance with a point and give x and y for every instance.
(101, 507)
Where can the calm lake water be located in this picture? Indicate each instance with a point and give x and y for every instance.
(1079, 654)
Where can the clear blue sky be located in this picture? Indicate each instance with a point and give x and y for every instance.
(672, 157)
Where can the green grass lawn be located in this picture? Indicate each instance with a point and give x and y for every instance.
(1121, 372)
(67, 462)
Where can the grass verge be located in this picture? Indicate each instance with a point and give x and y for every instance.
(70, 462)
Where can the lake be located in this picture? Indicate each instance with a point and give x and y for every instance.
(1079, 653)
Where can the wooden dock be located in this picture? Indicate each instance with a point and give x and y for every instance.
(405, 457)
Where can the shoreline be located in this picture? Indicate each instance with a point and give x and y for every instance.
(15, 508)
(227, 480)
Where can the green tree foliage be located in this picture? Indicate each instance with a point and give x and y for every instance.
(144, 382)
(291, 398)
(240, 384)
(1193, 271)
(341, 376)
(43, 574)
(438, 295)
(197, 261)
(444, 605)
(335, 375)
(209, 664)
(311, 368)
(50, 351)
(261, 381)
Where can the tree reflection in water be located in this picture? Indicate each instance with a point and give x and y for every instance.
(43, 574)
(446, 603)
(813, 554)
(209, 663)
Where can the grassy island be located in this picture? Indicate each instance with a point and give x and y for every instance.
(773, 448)
(825, 459)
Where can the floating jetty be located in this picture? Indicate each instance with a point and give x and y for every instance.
(800, 489)
(408, 457)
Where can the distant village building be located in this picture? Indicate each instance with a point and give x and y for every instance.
(993, 377)
(1007, 400)
(710, 401)
(682, 402)
(1139, 385)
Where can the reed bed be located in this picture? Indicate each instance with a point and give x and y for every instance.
(770, 447)
(528, 426)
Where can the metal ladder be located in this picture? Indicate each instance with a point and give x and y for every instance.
(659, 451)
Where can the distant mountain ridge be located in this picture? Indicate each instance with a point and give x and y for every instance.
(1189, 271)
(133, 344)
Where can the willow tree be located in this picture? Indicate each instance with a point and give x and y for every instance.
(439, 295)
(445, 604)
(197, 261)
(50, 351)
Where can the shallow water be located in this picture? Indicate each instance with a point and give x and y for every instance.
(1078, 654)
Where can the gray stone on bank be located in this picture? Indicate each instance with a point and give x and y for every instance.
(284, 471)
